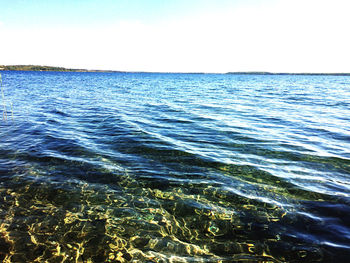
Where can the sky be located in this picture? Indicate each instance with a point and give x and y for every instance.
(178, 35)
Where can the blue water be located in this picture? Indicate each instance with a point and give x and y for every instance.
(136, 167)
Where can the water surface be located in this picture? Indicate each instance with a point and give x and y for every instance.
(131, 167)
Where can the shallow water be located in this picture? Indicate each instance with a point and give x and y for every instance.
(131, 167)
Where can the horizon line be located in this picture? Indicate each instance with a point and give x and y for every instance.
(29, 67)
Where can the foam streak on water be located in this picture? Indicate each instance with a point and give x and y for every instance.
(127, 167)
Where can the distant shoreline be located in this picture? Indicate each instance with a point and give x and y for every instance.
(286, 73)
(47, 68)
(62, 69)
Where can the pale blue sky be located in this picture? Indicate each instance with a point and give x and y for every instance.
(98, 12)
(178, 35)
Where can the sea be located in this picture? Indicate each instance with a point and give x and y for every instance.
(165, 167)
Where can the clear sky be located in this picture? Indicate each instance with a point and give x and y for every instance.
(178, 35)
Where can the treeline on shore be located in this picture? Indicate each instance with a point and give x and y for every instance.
(33, 68)
(46, 68)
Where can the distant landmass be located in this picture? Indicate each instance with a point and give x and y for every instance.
(281, 73)
(50, 68)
